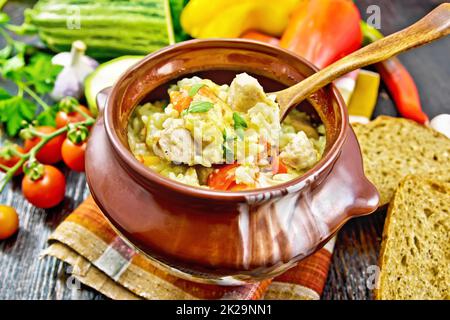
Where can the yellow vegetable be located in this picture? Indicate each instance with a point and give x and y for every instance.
(364, 98)
(231, 18)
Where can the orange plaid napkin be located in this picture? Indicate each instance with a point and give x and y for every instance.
(103, 261)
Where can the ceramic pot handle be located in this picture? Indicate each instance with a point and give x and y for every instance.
(101, 98)
(297, 224)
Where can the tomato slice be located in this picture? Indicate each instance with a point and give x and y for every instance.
(238, 187)
(222, 178)
(278, 166)
(282, 167)
(180, 100)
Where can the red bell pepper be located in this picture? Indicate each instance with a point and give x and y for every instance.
(323, 31)
(398, 81)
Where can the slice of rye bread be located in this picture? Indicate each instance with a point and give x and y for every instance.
(393, 148)
(415, 250)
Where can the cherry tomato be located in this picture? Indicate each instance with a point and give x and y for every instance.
(12, 161)
(47, 191)
(9, 222)
(63, 118)
(51, 152)
(73, 154)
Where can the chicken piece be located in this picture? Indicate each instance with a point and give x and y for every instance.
(245, 92)
(299, 153)
(176, 145)
(212, 153)
(300, 124)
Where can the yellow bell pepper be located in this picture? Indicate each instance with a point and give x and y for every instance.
(364, 98)
(231, 18)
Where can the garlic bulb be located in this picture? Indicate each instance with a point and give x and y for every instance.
(77, 66)
(441, 123)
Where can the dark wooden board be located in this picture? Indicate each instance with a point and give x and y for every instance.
(24, 276)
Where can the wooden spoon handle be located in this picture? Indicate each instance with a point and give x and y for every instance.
(433, 26)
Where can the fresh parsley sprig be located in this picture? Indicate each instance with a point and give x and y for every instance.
(33, 75)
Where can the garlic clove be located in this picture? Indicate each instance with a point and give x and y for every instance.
(77, 66)
(67, 84)
(62, 59)
(441, 123)
(358, 119)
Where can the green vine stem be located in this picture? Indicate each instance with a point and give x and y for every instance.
(32, 94)
(31, 154)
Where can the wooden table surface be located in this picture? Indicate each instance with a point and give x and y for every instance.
(23, 275)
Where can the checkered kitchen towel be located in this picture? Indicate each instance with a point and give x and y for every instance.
(101, 260)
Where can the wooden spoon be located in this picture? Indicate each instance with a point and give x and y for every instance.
(433, 26)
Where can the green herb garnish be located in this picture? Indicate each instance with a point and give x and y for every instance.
(194, 89)
(239, 125)
(228, 153)
(198, 107)
(239, 122)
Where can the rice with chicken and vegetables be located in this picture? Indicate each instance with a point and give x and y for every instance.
(224, 137)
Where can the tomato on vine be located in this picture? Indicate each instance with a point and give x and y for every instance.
(64, 118)
(43, 186)
(71, 112)
(9, 156)
(73, 155)
(74, 147)
(51, 151)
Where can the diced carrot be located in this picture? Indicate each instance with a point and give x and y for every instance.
(180, 100)
(206, 92)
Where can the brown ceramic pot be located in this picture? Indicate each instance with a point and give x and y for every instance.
(225, 237)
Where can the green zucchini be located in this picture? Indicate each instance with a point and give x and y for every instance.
(110, 28)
